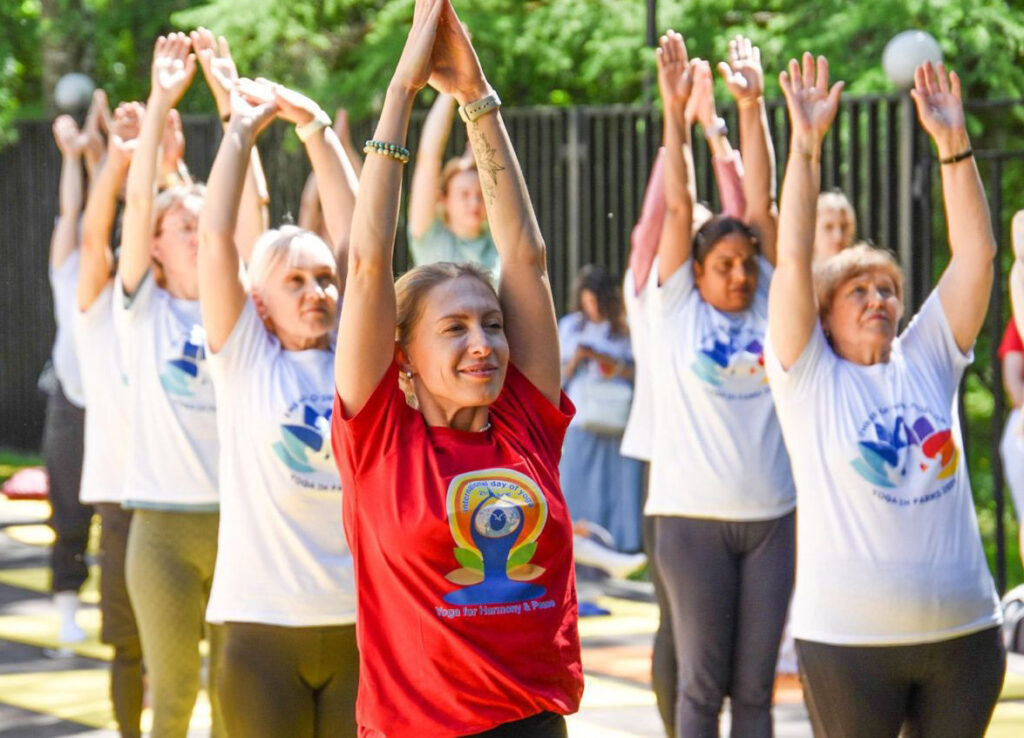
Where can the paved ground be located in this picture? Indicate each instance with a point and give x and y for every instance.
(42, 696)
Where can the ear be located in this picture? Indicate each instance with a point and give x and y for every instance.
(698, 271)
(402, 359)
(261, 310)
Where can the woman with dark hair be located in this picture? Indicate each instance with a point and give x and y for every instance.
(895, 616)
(600, 485)
(461, 538)
(720, 491)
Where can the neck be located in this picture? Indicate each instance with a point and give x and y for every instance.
(302, 343)
(462, 418)
(865, 355)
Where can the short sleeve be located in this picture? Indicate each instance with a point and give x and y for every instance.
(522, 408)
(670, 297)
(928, 343)
(373, 432)
(1011, 343)
(247, 346)
(129, 311)
(810, 373)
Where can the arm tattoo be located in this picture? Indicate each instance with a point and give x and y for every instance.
(486, 162)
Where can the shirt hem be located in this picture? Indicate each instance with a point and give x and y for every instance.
(993, 621)
(746, 517)
(196, 507)
(318, 621)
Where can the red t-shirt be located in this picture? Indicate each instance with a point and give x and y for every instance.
(1011, 342)
(462, 543)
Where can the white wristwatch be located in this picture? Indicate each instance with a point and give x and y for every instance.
(485, 104)
(320, 120)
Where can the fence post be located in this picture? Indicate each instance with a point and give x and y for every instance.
(905, 200)
(575, 153)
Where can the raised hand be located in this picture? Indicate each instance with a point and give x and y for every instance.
(701, 105)
(415, 64)
(812, 104)
(675, 78)
(456, 68)
(217, 64)
(290, 105)
(97, 121)
(743, 74)
(68, 137)
(124, 132)
(173, 68)
(940, 107)
(253, 105)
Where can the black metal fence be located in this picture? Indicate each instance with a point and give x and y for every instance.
(586, 170)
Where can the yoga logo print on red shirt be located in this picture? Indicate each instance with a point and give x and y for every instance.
(495, 517)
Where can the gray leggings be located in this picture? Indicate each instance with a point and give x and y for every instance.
(930, 690)
(169, 569)
(727, 585)
(279, 681)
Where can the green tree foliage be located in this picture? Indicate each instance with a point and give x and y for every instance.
(19, 31)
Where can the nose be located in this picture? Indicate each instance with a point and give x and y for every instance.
(479, 342)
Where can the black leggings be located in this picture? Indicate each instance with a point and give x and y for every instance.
(946, 689)
(541, 725)
(274, 680)
(727, 585)
(63, 444)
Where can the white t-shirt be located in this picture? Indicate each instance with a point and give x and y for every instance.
(281, 557)
(64, 285)
(636, 439)
(888, 550)
(574, 330)
(717, 447)
(107, 423)
(172, 457)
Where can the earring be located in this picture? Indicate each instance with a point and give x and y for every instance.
(408, 373)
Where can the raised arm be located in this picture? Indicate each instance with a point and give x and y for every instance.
(525, 291)
(368, 312)
(643, 241)
(101, 207)
(675, 81)
(792, 311)
(335, 176)
(745, 79)
(426, 173)
(96, 125)
(1017, 270)
(64, 239)
(172, 72)
(220, 72)
(221, 292)
(311, 212)
(966, 284)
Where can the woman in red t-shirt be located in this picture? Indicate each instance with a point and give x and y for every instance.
(447, 430)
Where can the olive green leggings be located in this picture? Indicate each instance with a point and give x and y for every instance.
(281, 681)
(169, 570)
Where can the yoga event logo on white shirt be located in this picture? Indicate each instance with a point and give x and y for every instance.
(730, 359)
(906, 440)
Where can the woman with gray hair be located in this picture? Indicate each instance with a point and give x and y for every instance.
(895, 610)
(283, 592)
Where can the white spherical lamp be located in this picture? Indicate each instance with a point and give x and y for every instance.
(73, 92)
(905, 52)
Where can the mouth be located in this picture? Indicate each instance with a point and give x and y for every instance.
(482, 372)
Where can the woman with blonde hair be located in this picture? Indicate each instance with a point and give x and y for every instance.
(461, 537)
(895, 610)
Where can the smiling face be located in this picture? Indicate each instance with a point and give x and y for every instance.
(727, 279)
(862, 319)
(297, 291)
(175, 247)
(463, 204)
(457, 349)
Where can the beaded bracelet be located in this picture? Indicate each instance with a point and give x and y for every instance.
(394, 151)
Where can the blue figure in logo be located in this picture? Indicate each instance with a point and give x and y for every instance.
(179, 375)
(306, 446)
(495, 528)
